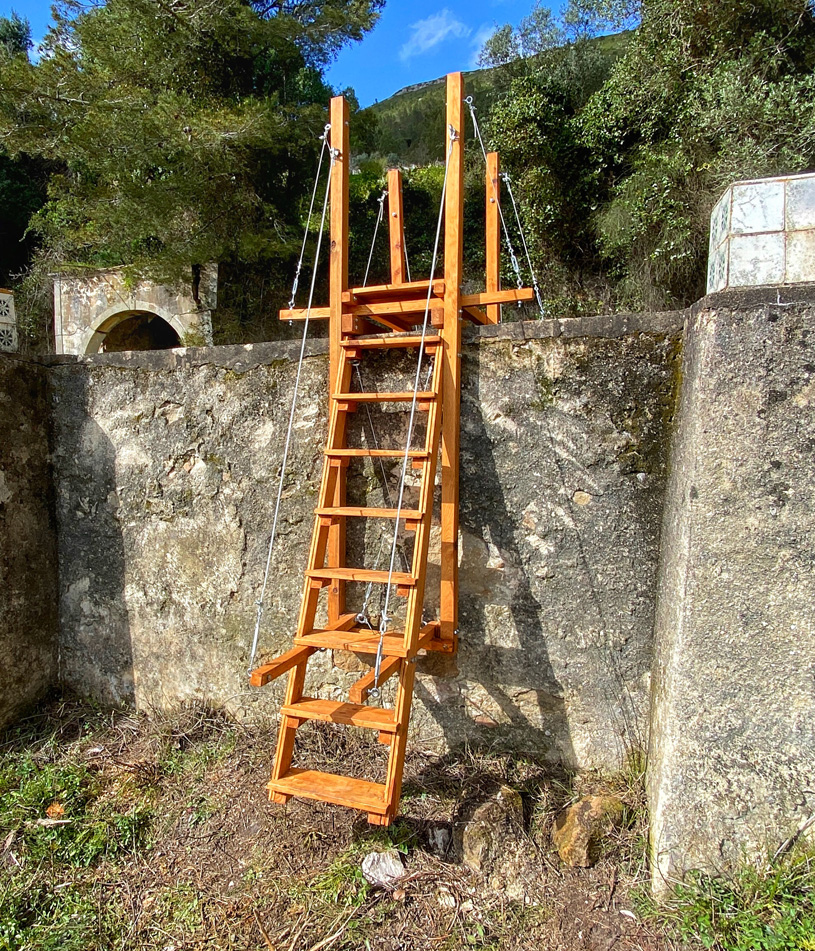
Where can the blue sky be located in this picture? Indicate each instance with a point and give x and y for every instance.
(415, 40)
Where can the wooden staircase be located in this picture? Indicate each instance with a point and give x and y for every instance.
(365, 321)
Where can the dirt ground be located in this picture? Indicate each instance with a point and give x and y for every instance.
(122, 831)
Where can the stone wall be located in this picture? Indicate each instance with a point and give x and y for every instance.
(166, 472)
(733, 721)
(28, 577)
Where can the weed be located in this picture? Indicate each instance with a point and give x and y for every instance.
(758, 909)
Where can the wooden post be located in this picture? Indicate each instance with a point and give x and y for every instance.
(493, 236)
(396, 225)
(451, 336)
(338, 276)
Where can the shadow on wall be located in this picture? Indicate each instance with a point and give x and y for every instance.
(508, 688)
(96, 656)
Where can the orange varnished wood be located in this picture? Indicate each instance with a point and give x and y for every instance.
(328, 787)
(451, 334)
(493, 234)
(360, 690)
(351, 714)
(280, 665)
(396, 226)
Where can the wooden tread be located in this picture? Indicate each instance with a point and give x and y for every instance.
(360, 574)
(384, 397)
(354, 511)
(378, 453)
(362, 640)
(394, 291)
(389, 341)
(351, 714)
(328, 787)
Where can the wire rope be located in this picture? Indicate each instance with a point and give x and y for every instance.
(512, 256)
(259, 602)
(385, 618)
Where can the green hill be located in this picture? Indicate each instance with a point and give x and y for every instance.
(406, 126)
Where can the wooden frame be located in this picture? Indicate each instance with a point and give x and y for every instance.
(353, 313)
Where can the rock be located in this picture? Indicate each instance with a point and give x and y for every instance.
(580, 829)
(492, 825)
(383, 869)
(439, 838)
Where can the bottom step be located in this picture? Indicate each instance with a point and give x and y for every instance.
(328, 787)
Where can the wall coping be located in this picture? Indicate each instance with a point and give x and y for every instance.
(242, 357)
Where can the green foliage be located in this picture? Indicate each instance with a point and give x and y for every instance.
(180, 133)
(84, 833)
(15, 35)
(759, 909)
(620, 151)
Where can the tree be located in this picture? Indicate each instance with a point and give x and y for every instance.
(621, 157)
(22, 181)
(184, 131)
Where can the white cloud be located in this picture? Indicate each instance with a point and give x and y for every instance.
(482, 34)
(430, 32)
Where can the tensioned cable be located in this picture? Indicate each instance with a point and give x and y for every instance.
(384, 619)
(259, 603)
(381, 201)
(508, 183)
(324, 140)
(512, 256)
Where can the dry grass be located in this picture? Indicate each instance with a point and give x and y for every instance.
(193, 856)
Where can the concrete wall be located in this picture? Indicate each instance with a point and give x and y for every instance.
(28, 578)
(733, 721)
(166, 466)
(613, 534)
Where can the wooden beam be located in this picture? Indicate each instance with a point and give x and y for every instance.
(493, 235)
(398, 291)
(299, 313)
(396, 226)
(280, 665)
(476, 314)
(497, 297)
(338, 276)
(451, 335)
(360, 690)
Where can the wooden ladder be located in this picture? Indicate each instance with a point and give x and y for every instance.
(364, 321)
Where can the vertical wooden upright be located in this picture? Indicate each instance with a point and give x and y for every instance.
(338, 273)
(396, 226)
(493, 236)
(451, 337)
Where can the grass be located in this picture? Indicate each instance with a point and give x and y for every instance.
(760, 908)
(161, 836)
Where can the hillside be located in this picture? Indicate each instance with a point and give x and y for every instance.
(407, 122)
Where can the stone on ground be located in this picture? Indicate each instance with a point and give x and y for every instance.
(383, 869)
(580, 829)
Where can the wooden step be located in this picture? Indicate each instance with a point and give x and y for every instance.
(351, 714)
(362, 640)
(394, 291)
(360, 574)
(421, 397)
(351, 511)
(389, 341)
(328, 787)
(377, 453)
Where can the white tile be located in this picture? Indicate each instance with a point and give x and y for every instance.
(720, 220)
(756, 259)
(800, 257)
(758, 207)
(717, 269)
(801, 203)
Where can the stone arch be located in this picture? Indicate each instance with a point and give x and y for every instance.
(88, 307)
(120, 311)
